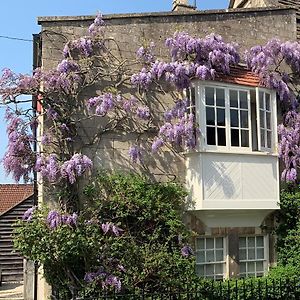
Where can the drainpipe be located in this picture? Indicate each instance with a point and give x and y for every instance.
(36, 63)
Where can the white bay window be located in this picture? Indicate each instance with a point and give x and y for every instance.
(235, 118)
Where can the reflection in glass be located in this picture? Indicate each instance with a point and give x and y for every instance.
(209, 243)
(243, 100)
(268, 101)
(245, 138)
(220, 95)
(261, 100)
(210, 116)
(244, 119)
(220, 117)
(209, 96)
(233, 96)
(234, 119)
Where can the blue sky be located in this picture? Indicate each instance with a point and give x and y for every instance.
(18, 19)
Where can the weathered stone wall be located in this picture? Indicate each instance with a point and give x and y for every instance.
(247, 27)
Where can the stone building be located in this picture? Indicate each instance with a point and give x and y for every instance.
(233, 176)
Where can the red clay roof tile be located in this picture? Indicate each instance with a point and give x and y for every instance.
(13, 194)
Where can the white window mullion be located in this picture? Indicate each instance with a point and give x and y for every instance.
(258, 120)
(249, 120)
(274, 122)
(227, 119)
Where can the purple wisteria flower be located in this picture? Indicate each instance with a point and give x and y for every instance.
(187, 251)
(97, 26)
(110, 227)
(101, 104)
(28, 215)
(56, 219)
(135, 154)
(76, 167)
(143, 112)
(48, 167)
(66, 66)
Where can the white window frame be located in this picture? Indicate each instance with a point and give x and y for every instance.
(200, 108)
(205, 263)
(265, 260)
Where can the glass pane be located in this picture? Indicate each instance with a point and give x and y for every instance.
(233, 96)
(210, 116)
(268, 117)
(244, 119)
(251, 254)
(259, 241)
(219, 269)
(219, 243)
(219, 255)
(209, 96)
(242, 254)
(242, 267)
(251, 267)
(210, 256)
(251, 242)
(220, 117)
(220, 94)
(210, 243)
(268, 102)
(200, 270)
(221, 136)
(245, 138)
(209, 270)
(200, 243)
(234, 119)
(242, 242)
(260, 266)
(260, 253)
(261, 100)
(262, 138)
(262, 118)
(269, 139)
(211, 136)
(235, 139)
(243, 99)
(200, 256)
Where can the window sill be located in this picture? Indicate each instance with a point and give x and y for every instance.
(230, 152)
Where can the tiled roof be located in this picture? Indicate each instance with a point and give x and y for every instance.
(240, 75)
(295, 4)
(13, 194)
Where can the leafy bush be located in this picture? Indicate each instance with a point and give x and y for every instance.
(129, 235)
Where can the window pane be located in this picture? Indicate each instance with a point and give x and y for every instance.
(242, 242)
(262, 119)
(233, 96)
(262, 138)
(268, 101)
(219, 269)
(234, 119)
(221, 136)
(245, 138)
(221, 117)
(242, 267)
(244, 119)
(260, 266)
(268, 117)
(209, 243)
(200, 243)
(200, 256)
(219, 255)
(242, 254)
(219, 243)
(259, 241)
(243, 99)
(209, 96)
(200, 270)
(260, 253)
(210, 256)
(220, 94)
(235, 139)
(251, 267)
(211, 136)
(210, 116)
(251, 254)
(261, 100)
(209, 270)
(251, 241)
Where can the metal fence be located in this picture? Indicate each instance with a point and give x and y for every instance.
(256, 289)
